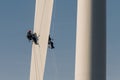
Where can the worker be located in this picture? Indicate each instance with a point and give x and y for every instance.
(50, 42)
(32, 36)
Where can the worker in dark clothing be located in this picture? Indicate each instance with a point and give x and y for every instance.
(35, 38)
(29, 35)
(32, 37)
(50, 43)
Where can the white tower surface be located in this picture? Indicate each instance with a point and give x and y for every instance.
(43, 14)
(91, 40)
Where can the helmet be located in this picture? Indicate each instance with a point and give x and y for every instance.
(29, 31)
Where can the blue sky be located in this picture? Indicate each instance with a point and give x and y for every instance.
(17, 16)
(113, 40)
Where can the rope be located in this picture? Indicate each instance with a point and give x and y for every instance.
(35, 62)
(41, 21)
(43, 10)
(55, 65)
(53, 53)
(41, 61)
(53, 23)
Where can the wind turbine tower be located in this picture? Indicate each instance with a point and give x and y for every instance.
(90, 61)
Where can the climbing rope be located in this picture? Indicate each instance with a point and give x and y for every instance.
(43, 10)
(35, 63)
(53, 54)
(41, 61)
(42, 15)
(37, 59)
